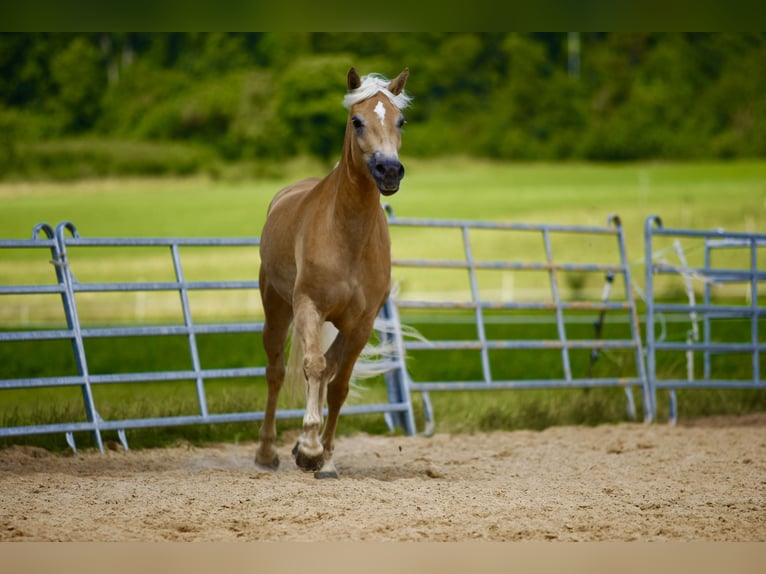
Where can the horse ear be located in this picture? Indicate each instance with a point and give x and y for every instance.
(397, 84)
(354, 81)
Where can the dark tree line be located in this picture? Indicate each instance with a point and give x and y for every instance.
(551, 96)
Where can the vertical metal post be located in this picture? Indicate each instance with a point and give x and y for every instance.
(479, 312)
(399, 378)
(649, 289)
(396, 379)
(635, 329)
(557, 301)
(64, 275)
(754, 309)
(706, 316)
(188, 321)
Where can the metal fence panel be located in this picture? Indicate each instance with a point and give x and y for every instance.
(463, 254)
(484, 308)
(731, 291)
(65, 239)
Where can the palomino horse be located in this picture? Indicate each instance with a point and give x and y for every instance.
(326, 257)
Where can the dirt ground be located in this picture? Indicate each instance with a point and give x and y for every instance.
(701, 482)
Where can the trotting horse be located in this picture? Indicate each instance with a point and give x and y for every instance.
(326, 257)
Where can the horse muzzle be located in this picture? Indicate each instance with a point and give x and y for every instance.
(387, 173)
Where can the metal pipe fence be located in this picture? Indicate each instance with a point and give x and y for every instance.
(494, 349)
(64, 240)
(721, 304)
(494, 324)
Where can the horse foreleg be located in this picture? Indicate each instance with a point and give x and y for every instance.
(345, 353)
(309, 453)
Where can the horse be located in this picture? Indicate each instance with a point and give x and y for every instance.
(326, 258)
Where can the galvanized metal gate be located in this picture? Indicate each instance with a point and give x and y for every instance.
(469, 273)
(724, 271)
(65, 239)
(458, 251)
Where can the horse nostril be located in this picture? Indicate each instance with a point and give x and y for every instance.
(380, 168)
(401, 171)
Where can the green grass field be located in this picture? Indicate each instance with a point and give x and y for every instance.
(704, 195)
(698, 195)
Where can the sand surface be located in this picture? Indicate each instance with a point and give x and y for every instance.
(702, 482)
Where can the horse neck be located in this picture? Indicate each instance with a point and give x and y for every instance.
(357, 198)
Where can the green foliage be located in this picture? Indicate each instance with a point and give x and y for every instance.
(309, 96)
(79, 81)
(273, 96)
(85, 158)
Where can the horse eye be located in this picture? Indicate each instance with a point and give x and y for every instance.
(400, 122)
(358, 122)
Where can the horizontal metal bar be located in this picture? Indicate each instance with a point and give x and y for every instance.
(499, 225)
(144, 331)
(42, 382)
(720, 310)
(506, 265)
(27, 243)
(161, 330)
(509, 345)
(709, 384)
(522, 384)
(187, 420)
(150, 377)
(711, 272)
(228, 328)
(734, 243)
(508, 306)
(713, 347)
(162, 241)
(54, 334)
(163, 286)
(168, 376)
(47, 429)
(713, 234)
(31, 289)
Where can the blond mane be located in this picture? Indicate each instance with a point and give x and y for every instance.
(373, 84)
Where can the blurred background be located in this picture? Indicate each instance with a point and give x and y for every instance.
(230, 104)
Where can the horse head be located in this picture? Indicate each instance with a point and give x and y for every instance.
(374, 129)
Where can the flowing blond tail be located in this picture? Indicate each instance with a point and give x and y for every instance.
(295, 382)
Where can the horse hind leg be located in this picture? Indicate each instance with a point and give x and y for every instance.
(275, 328)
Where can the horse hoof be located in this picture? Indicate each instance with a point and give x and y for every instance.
(309, 463)
(322, 474)
(327, 471)
(270, 466)
(267, 467)
(306, 462)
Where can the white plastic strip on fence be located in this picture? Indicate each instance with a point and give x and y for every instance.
(713, 310)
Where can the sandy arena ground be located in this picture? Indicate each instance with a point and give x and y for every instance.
(705, 482)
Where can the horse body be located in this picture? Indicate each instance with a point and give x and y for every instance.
(325, 256)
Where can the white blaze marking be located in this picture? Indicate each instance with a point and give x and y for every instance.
(381, 111)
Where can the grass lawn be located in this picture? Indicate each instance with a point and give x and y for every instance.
(695, 195)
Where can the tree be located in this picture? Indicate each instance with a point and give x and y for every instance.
(80, 80)
(310, 104)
